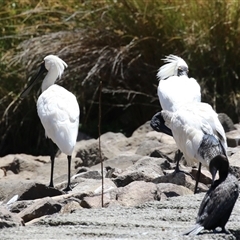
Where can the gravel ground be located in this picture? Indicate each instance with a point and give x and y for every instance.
(155, 220)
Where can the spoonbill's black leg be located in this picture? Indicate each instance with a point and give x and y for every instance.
(198, 177)
(68, 188)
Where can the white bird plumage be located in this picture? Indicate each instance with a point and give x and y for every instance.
(197, 131)
(175, 87)
(57, 109)
(180, 96)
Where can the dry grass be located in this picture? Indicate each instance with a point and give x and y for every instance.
(119, 43)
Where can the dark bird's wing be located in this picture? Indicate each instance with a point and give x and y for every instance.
(216, 206)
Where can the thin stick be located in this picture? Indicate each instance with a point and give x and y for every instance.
(99, 135)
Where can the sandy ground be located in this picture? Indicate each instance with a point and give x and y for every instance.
(154, 220)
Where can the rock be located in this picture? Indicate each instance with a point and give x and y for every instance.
(180, 179)
(88, 187)
(146, 147)
(122, 161)
(3, 173)
(226, 122)
(138, 192)
(33, 191)
(71, 205)
(234, 162)
(8, 219)
(90, 154)
(92, 174)
(142, 130)
(167, 151)
(97, 201)
(161, 137)
(151, 167)
(128, 177)
(173, 190)
(19, 163)
(205, 175)
(146, 169)
(45, 206)
(26, 190)
(233, 138)
(18, 206)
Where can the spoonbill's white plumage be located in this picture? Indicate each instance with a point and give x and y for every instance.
(57, 109)
(174, 90)
(197, 131)
(175, 87)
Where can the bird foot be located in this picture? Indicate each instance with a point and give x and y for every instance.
(221, 230)
(67, 189)
(51, 185)
(177, 170)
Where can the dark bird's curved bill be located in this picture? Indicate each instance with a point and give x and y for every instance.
(33, 81)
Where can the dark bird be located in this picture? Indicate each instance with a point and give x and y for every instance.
(218, 203)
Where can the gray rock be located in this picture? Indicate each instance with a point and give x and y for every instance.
(226, 122)
(138, 192)
(89, 187)
(121, 161)
(233, 138)
(111, 146)
(167, 151)
(173, 190)
(8, 219)
(71, 205)
(180, 179)
(40, 208)
(146, 147)
(142, 130)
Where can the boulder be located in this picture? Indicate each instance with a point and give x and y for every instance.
(45, 206)
(138, 192)
(8, 219)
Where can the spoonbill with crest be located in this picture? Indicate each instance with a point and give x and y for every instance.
(174, 90)
(57, 109)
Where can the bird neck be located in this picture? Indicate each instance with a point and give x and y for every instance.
(221, 164)
(50, 78)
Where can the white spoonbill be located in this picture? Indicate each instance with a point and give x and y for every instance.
(197, 131)
(57, 109)
(174, 90)
(175, 87)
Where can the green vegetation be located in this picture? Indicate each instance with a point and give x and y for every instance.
(118, 42)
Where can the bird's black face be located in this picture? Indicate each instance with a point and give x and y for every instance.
(219, 163)
(158, 124)
(34, 80)
(182, 71)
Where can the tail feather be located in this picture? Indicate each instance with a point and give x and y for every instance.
(195, 230)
